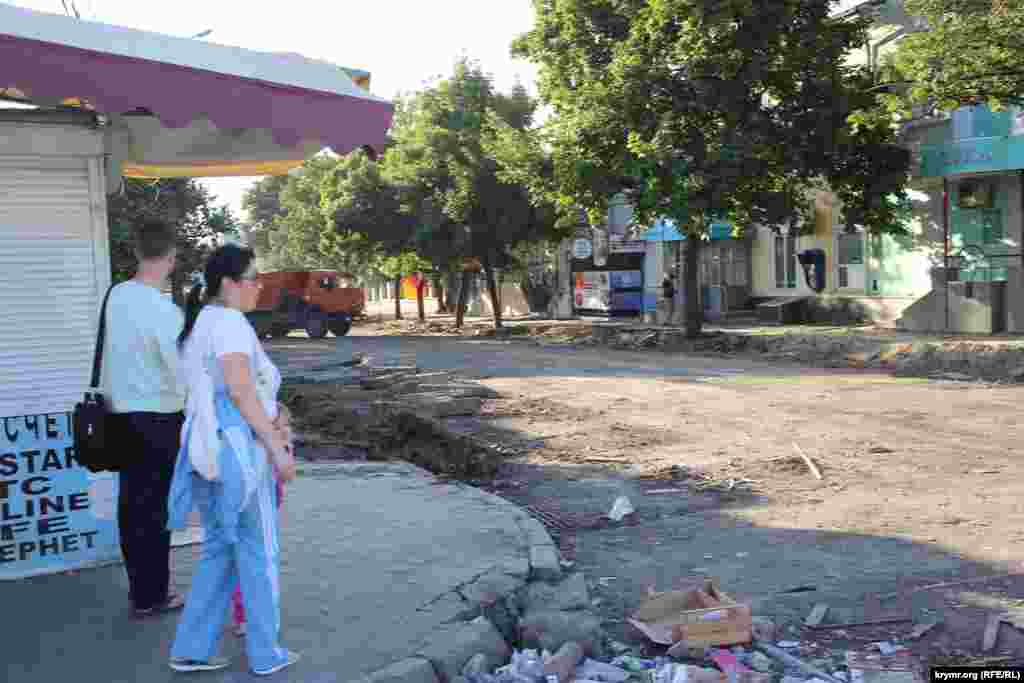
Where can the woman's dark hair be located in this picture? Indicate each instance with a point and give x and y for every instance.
(230, 261)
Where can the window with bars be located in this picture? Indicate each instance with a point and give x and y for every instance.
(785, 261)
(724, 263)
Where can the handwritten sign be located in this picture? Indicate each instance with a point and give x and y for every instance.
(54, 514)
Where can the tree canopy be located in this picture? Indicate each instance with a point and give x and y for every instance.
(182, 203)
(698, 109)
(969, 55)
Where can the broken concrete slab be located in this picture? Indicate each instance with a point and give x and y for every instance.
(450, 649)
(491, 587)
(545, 564)
(570, 594)
(412, 670)
(535, 532)
(551, 629)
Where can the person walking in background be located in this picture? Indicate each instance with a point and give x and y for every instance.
(229, 450)
(668, 295)
(140, 377)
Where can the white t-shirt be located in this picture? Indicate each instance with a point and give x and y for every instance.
(140, 370)
(220, 331)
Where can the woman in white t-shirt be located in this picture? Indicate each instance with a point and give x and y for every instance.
(225, 468)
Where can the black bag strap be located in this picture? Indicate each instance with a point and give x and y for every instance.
(97, 359)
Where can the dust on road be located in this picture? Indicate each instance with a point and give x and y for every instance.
(920, 479)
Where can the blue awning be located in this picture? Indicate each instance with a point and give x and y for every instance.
(665, 230)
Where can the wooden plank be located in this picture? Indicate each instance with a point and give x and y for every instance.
(817, 615)
(871, 622)
(988, 640)
(810, 464)
(950, 584)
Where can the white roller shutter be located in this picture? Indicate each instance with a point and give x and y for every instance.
(49, 280)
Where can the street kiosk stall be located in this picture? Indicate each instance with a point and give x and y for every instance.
(111, 102)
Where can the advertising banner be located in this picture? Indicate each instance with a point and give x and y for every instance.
(54, 514)
(592, 291)
(626, 279)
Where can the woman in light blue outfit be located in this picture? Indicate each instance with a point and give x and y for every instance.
(225, 469)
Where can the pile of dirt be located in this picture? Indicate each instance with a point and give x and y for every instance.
(396, 413)
(995, 361)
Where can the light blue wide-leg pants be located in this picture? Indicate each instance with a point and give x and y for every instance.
(253, 561)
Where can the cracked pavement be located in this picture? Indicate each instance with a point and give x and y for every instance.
(376, 558)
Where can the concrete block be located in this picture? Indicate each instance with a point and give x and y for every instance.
(535, 532)
(413, 670)
(519, 566)
(570, 594)
(544, 563)
(551, 629)
(450, 649)
(491, 587)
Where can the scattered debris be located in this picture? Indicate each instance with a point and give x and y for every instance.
(950, 584)
(988, 640)
(593, 670)
(867, 622)
(810, 463)
(563, 663)
(817, 615)
(704, 616)
(877, 668)
(620, 509)
(921, 629)
(789, 660)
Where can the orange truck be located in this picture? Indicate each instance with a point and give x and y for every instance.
(313, 300)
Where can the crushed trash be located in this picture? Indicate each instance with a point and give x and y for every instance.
(633, 663)
(620, 509)
(593, 670)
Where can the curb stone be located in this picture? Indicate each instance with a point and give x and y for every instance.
(450, 649)
(499, 599)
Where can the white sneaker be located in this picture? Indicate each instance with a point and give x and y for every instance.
(291, 659)
(191, 665)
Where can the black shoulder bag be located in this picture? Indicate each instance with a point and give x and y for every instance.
(91, 417)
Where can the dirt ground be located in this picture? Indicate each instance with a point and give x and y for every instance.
(921, 483)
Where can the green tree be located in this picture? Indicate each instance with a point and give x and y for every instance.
(698, 109)
(443, 157)
(262, 204)
(182, 203)
(969, 55)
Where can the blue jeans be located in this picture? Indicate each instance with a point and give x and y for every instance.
(253, 562)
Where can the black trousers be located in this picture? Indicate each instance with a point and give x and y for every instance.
(150, 447)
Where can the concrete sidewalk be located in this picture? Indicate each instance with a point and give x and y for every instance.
(376, 559)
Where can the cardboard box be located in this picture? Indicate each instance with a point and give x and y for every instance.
(702, 617)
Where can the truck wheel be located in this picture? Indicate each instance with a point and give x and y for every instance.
(340, 327)
(316, 325)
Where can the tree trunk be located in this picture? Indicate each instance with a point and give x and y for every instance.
(460, 309)
(439, 292)
(398, 297)
(492, 289)
(694, 309)
(420, 311)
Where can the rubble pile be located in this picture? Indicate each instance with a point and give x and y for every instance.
(700, 635)
(949, 360)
